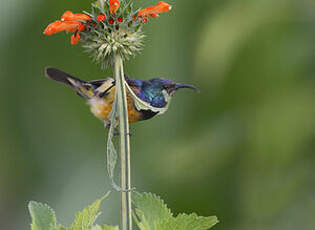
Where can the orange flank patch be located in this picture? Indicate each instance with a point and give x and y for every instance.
(133, 114)
(101, 107)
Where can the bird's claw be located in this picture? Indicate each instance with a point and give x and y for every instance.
(117, 133)
(116, 130)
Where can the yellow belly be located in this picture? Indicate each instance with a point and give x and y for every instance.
(101, 107)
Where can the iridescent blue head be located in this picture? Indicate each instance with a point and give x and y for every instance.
(170, 86)
(157, 91)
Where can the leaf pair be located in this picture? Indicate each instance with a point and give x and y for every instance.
(150, 213)
(44, 218)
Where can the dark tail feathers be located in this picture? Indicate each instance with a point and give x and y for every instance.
(60, 76)
(82, 88)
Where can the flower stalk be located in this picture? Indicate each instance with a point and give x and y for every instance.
(121, 100)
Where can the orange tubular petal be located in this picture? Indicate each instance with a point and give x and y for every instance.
(162, 7)
(75, 38)
(52, 28)
(81, 27)
(83, 17)
(113, 6)
(154, 11)
(70, 26)
(69, 16)
(145, 12)
(153, 15)
(59, 26)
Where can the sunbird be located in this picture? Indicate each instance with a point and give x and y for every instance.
(100, 94)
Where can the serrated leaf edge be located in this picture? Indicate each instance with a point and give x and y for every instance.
(30, 204)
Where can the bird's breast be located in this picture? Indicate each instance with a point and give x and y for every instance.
(101, 107)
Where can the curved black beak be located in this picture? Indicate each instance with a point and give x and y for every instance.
(188, 86)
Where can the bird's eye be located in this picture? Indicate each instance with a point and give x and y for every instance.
(172, 86)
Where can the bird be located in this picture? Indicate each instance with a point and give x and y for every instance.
(100, 94)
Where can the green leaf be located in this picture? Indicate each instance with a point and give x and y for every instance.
(151, 213)
(60, 227)
(150, 210)
(85, 219)
(43, 217)
(140, 220)
(188, 222)
(105, 227)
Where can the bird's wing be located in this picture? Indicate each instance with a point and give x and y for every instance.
(97, 83)
(102, 87)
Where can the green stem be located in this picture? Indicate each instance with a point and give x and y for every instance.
(121, 100)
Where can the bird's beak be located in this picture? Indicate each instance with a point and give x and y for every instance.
(188, 86)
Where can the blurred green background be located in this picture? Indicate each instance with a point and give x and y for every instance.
(242, 149)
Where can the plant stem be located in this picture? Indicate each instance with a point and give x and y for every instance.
(121, 97)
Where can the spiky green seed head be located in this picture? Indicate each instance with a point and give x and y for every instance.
(119, 33)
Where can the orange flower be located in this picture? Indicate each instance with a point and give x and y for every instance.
(58, 26)
(154, 11)
(69, 22)
(100, 17)
(113, 6)
(69, 16)
(75, 38)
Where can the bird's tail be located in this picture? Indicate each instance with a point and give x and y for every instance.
(82, 88)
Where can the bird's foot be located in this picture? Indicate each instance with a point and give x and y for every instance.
(116, 130)
(117, 133)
